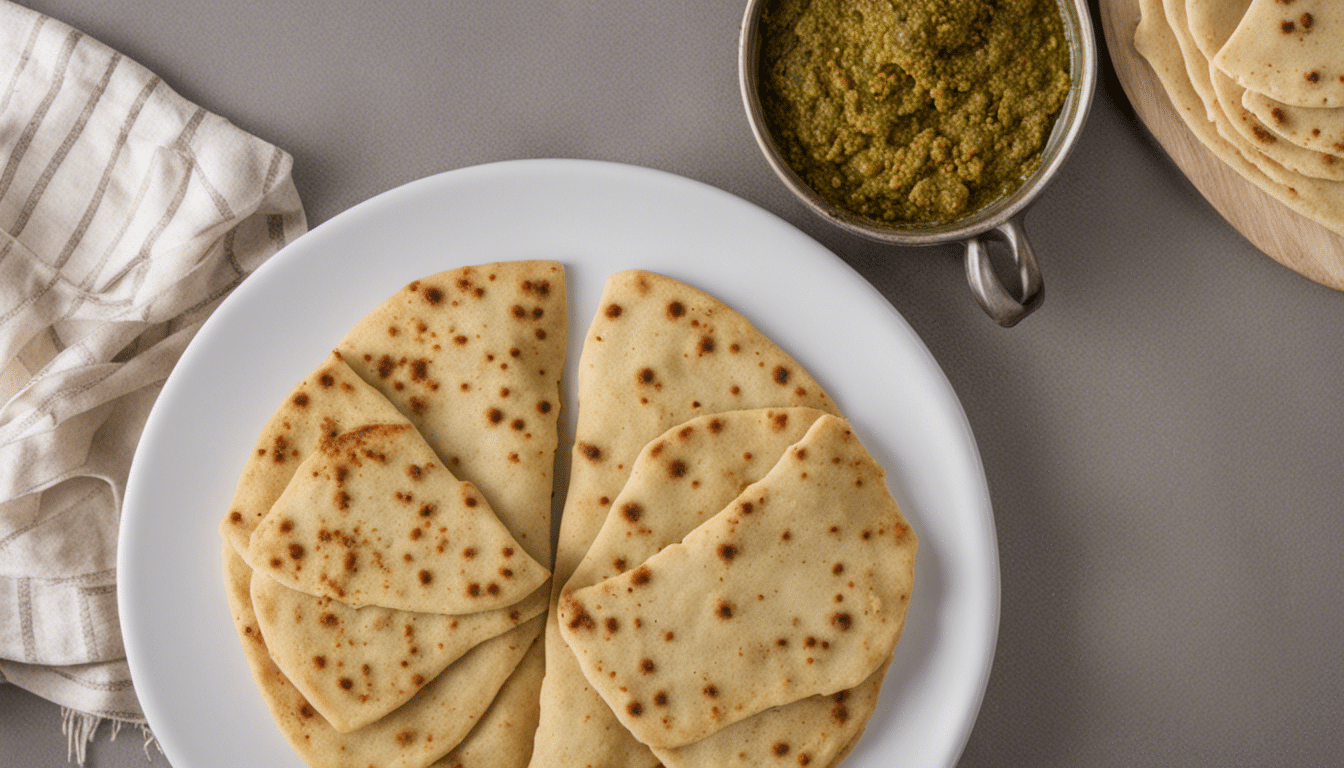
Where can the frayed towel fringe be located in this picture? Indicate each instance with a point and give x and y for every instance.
(81, 727)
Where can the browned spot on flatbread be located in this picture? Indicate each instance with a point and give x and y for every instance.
(579, 616)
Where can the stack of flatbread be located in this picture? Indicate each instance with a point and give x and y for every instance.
(386, 552)
(1261, 84)
(732, 575)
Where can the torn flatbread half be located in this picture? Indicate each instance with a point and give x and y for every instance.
(799, 587)
(473, 358)
(409, 366)
(657, 353)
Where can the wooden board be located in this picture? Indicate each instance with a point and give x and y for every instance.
(1293, 240)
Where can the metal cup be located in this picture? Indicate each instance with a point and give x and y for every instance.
(1001, 221)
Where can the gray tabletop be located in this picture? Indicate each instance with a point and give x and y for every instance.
(1162, 439)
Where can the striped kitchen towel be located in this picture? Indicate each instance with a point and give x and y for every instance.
(127, 213)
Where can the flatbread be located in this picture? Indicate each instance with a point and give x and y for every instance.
(373, 518)
(473, 358)
(1307, 162)
(1289, 51)
(501, 330)
(502, 737)
(355, 665)
(433, 722)
(1212, 22)
(818, 730)
(407, 349)
(1190, 91)
(329, 401)
(799, 587)
(657, 354)
(1318, 129)
(723, 453)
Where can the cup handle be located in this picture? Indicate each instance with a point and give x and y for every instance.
(1006, 310)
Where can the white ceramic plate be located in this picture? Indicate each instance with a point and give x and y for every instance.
(596, 218)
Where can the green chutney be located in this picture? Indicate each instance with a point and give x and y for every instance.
(912, 113)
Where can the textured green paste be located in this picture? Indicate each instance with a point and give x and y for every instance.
(913, 112)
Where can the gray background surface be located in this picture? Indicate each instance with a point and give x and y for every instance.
(1162, 439)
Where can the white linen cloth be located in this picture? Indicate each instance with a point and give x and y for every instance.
(126, 215)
